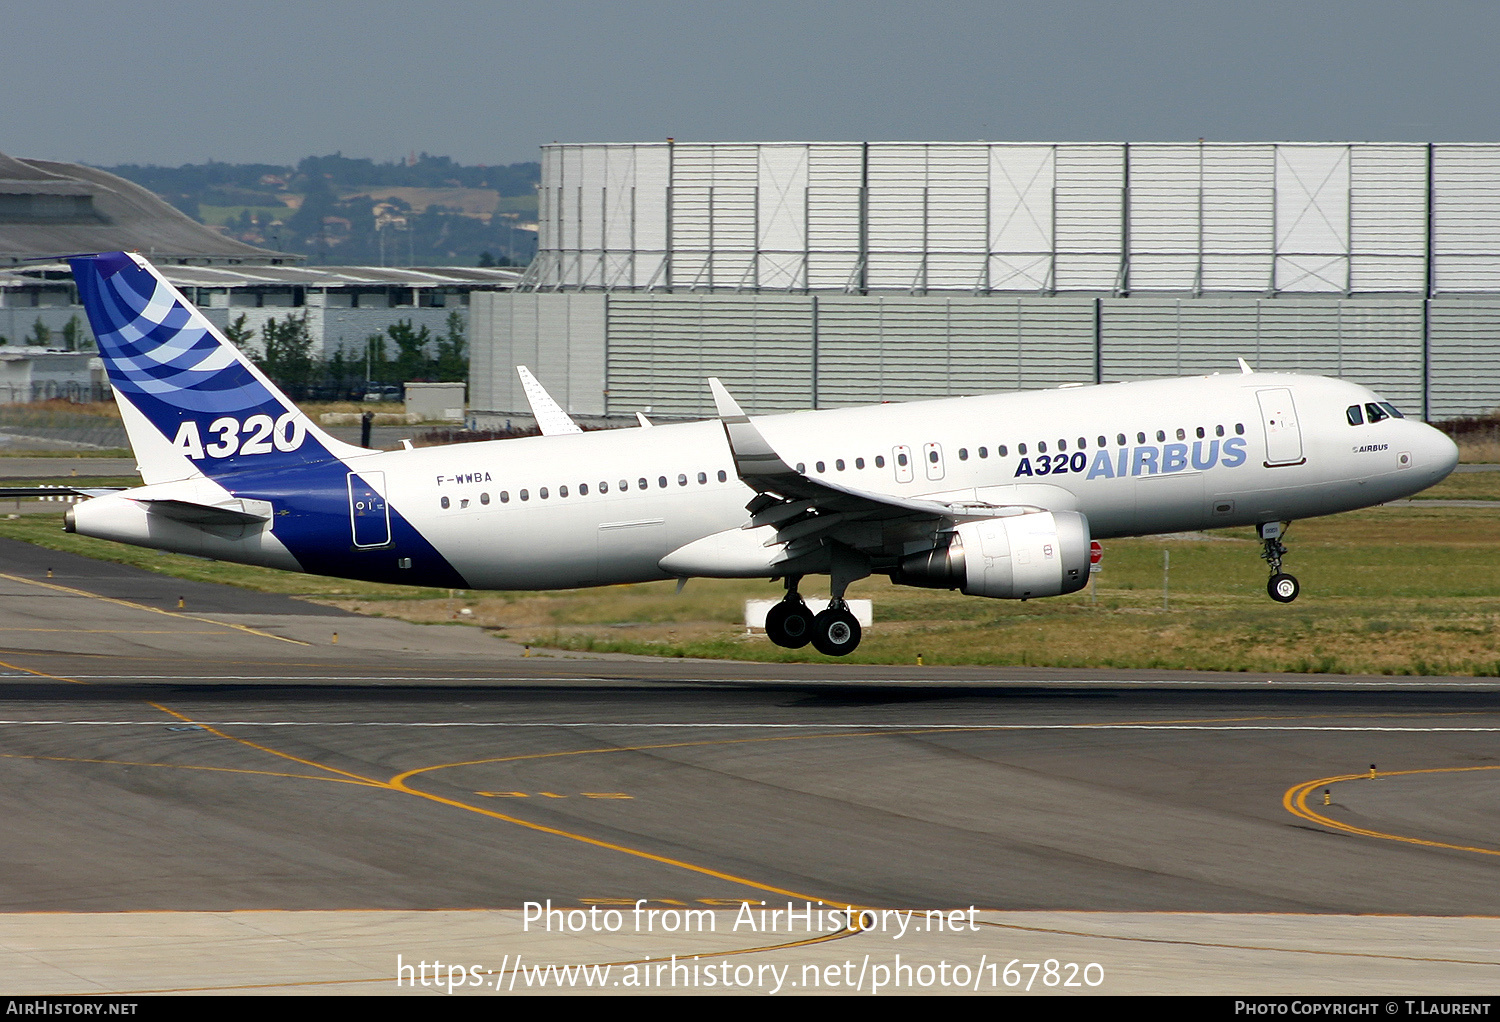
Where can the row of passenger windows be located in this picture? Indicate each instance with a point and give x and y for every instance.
(543, 493)
(1003, 451)
(1372, 412)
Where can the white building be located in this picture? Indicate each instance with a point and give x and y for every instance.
(818, 274)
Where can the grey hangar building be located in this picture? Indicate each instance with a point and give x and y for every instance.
(821, 274)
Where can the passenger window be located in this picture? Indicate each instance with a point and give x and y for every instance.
(963, 454)
(1140, 438)
(821, 467)
(525, 495)
(1200, 432)
(583, 489)
(1218, 431)
(1161, 436)
(542, 492)
(445, 502)
(464, 502)
(1083, 443)
(682, 480)
(1355, 416)
(1062, 445)
(801, 467)
(984, 452)
(603, 486)
(880, 461)
(484, 498)
(1375, 412)
(661, 481)
(562, 491)
(932, 456)
(1181, 433)
(901, 460)
(1001, 452)
(641, 483)
(859, 463)
(839, 464)
(505, 496)
(1239, 429)
(702, 478)
(722, 476)
(1120, 439)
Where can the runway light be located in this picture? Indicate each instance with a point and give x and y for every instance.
(335, 638)
(1328, 796)
(181, 602)
(1372, 771)
(919, 659)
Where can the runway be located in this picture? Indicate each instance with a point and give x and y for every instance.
(230, 757)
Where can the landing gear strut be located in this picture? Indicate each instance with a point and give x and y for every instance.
(1283, 588)
(834, 632)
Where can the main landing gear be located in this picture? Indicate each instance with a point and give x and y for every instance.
(1283, 588)
(792, 624)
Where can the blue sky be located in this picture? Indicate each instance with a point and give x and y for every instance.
(487, 82)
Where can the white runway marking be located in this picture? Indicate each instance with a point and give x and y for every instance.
(1403, 729)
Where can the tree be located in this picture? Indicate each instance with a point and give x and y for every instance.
(286, 353)
(239, 333)
(412, 362)
(452, 352)
(74, 338)
(40, 336)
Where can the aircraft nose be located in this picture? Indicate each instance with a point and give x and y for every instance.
(1436, 452)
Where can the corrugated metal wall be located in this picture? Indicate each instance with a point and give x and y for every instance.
(1116, 219)
(621, 353)
(560, 337)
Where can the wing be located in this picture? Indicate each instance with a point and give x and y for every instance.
(806, 512)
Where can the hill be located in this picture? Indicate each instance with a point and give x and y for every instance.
(421, 211)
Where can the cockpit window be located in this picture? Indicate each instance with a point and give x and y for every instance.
(1375, 412)
(1392, 409)
(1356, 417)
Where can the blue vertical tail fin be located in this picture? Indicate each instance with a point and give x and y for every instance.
(193, 404)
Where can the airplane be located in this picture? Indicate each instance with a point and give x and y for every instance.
(996, 496)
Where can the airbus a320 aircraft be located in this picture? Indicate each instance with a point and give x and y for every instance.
(996, 496)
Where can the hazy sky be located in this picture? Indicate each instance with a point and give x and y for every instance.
(487, 82)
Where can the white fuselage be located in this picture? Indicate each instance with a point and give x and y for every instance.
(1136, 459)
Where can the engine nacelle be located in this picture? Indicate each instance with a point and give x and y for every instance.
(1016, 558)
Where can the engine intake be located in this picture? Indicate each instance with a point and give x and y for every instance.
(1016, 558)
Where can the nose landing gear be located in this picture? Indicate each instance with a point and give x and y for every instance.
(1283, 588)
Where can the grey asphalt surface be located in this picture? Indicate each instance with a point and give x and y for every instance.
(234, 758)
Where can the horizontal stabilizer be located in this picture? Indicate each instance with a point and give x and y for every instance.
(234, 512)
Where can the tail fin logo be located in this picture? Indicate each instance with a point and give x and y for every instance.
(198, 398)
(159, 347)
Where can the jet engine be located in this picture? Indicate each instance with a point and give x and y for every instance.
(1045, 553)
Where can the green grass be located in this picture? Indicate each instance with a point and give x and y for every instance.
(45, 530)
(1404, 590)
